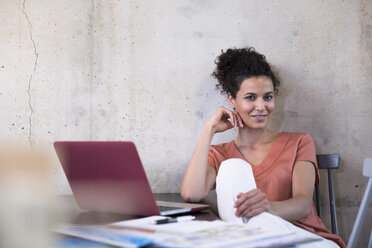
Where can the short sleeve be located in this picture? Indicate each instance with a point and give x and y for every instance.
(306, 152)
(217, 154)
(212, 160)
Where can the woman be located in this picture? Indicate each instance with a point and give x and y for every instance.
(283, 165)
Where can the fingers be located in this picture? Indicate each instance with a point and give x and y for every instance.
(251, 203)
(229, 117)
(224, 119)
(253, 212)
(234, 117)
(242, 198)
(240, 120)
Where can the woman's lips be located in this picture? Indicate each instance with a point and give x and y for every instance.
(259, 117)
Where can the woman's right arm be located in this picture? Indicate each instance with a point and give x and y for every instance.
(199, 178)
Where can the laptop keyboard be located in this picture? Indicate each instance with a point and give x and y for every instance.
(167, 208)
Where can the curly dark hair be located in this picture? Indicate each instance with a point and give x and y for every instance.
(237, 64)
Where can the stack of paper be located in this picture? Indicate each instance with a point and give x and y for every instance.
(140, 232)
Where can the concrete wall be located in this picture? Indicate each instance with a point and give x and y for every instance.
(140, 70)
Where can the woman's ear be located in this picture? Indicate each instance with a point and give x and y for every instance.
(231, 100)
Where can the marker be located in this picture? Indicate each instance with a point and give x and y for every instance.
(173, 220)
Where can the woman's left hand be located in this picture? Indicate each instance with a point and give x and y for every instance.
(251, 203)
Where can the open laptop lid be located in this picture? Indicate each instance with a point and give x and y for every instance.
(107, 176)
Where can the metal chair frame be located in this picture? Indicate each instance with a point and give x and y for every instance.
(329, 162)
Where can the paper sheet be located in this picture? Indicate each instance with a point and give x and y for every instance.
(214, 234)
(139, 232)
(178, 228)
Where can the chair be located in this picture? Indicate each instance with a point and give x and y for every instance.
(353, 240)
(329, 162)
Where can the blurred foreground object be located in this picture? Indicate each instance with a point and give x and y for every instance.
(25, 198)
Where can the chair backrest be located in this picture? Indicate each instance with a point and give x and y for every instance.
(329, 162)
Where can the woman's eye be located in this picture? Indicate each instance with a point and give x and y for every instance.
(268, 97)
(250, 98)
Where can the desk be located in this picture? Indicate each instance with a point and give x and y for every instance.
(72, 214)
(76, 216)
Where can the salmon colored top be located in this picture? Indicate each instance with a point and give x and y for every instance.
(274, 174)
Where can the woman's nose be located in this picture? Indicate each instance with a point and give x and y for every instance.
(260, 104)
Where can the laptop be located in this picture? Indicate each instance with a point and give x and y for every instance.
(108, 176)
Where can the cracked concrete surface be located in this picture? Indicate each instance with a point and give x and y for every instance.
(29, 25)
(139, 70)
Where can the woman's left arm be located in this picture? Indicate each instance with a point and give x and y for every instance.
(299, 206)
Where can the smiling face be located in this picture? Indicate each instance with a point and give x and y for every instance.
(254, 101)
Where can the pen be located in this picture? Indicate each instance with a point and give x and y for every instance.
(173, 220)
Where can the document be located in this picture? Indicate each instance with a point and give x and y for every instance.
(216, 234)
(173, 228)
(141, 232)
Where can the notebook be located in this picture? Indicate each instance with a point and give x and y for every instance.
(108, 176)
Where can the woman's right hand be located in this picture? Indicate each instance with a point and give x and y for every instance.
(224, 119)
